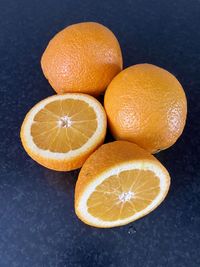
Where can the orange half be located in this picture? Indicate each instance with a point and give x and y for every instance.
(119, 183)
(61, 131)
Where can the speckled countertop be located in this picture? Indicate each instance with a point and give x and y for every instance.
(38, 226)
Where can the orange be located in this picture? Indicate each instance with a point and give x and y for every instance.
(83, 57)
(146, 104)
(119, 183)
(61, 131)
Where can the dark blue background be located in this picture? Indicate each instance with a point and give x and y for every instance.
(38, 226)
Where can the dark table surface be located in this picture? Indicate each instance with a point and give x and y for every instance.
(38, 226)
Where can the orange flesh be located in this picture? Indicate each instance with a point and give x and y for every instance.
(121, 196)
(63, 125)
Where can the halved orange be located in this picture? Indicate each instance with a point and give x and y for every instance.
(119, 183)
(61, 131)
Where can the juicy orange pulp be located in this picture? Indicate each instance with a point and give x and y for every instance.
(63, 125)
(121, 196)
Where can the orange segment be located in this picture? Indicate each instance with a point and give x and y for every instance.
(119, 183)
(61, 131)
(45, 116)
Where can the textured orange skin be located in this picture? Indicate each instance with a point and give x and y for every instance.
(146, 104)
(61, 165)
(83, 57)
(108, 156)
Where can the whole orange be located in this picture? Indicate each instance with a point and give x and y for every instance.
(147, 105)
(83, 57)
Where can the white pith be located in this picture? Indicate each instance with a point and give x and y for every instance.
(82, 203)
(100, 131)
(126, 196)
(64, 122)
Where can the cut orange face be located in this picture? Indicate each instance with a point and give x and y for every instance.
(61, 131)
(119, 183)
